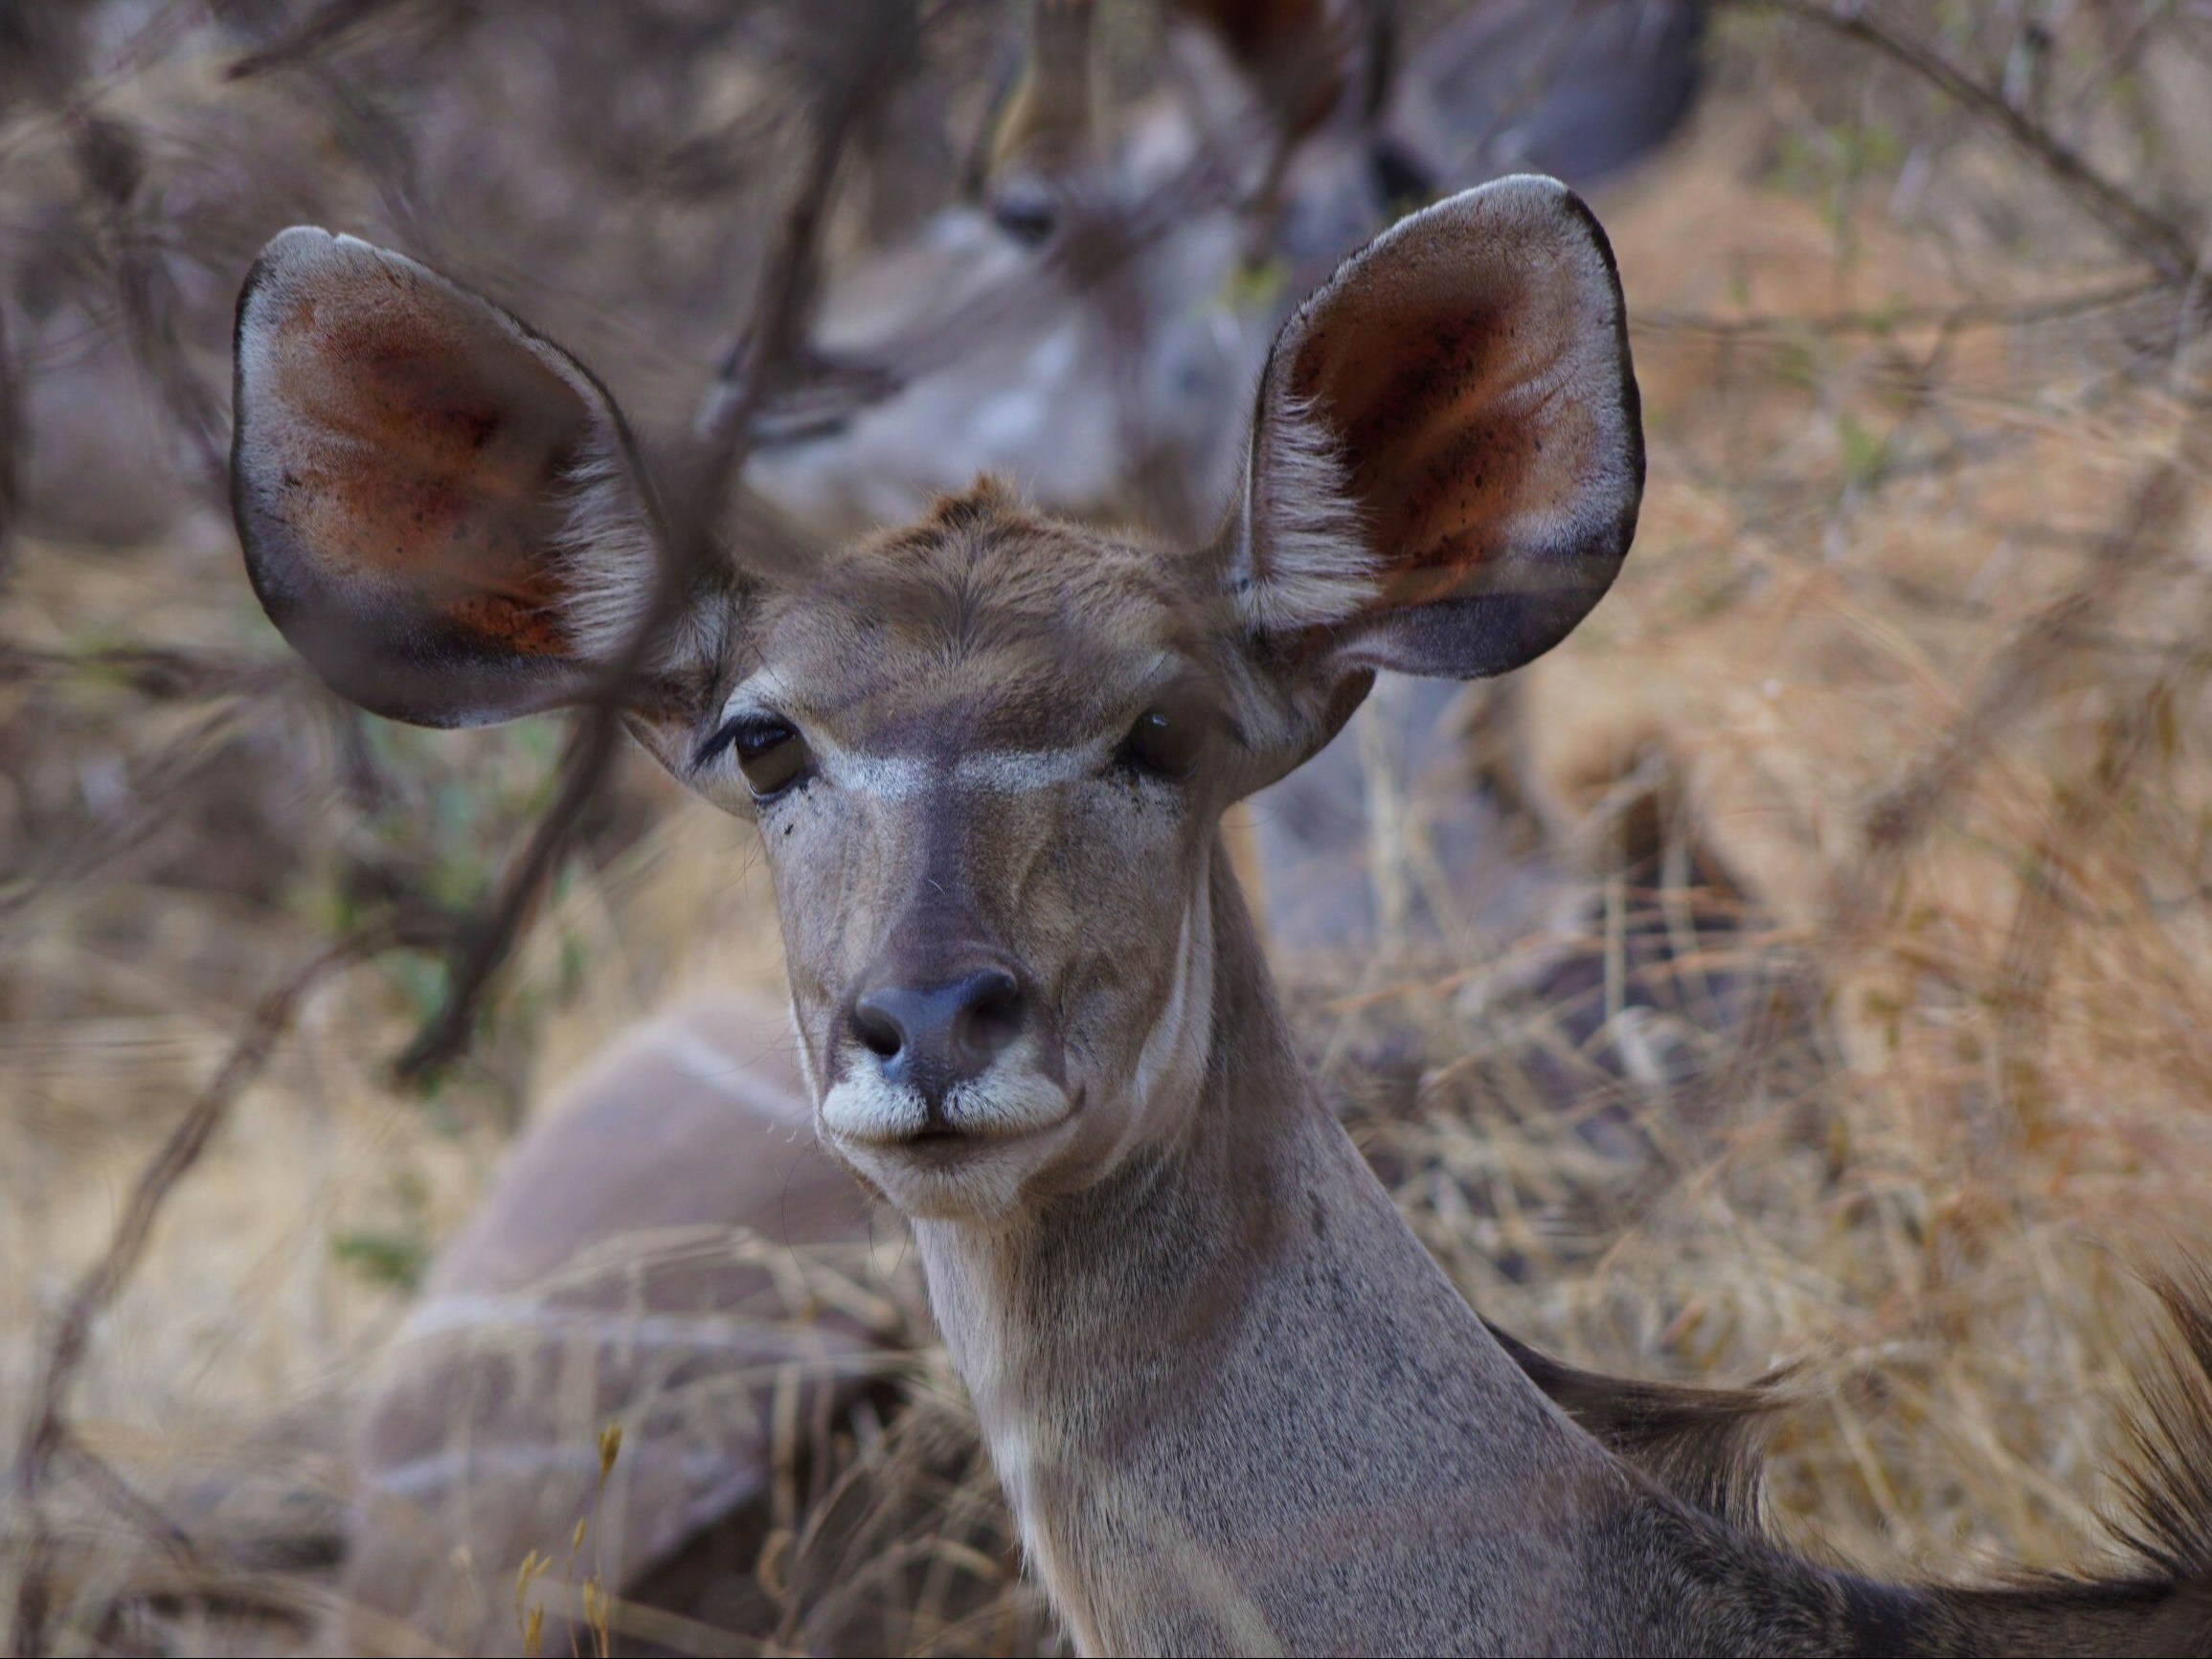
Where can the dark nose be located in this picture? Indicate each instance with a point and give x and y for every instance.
(936, 1036)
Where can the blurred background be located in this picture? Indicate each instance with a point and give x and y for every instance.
(1810, 962)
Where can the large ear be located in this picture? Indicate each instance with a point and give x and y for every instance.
(1447, 454)
(442, 511)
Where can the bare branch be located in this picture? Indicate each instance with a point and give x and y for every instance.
(9, 435)
(2165, 245)
(771, 346)
(127, 1500)
(484, 944)
(689, 548)
(159, 673)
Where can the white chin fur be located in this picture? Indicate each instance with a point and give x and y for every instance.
(871, 1121)
(866, 1108)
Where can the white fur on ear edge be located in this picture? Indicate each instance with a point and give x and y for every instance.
(1314, 567)
(609, 555)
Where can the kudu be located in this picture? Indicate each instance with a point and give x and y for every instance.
(666, 1250)
(1099, 325)
(1234, 1405)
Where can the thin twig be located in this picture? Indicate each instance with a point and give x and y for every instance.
(10, 466)
(1901, 814)
(1970, 316)
(770, 350)
(318, 36)
(487, 942)
(127, 1500)
(109, 160)
(162, 674)
(1097, 241)
(2156, 238)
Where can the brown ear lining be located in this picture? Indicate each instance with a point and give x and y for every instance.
(404, 467)
(1470, 371)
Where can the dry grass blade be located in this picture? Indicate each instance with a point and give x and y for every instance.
(47, 1432)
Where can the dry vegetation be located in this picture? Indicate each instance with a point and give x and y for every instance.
(1865, 1026)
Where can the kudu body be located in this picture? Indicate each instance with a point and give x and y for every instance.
(663, 1252)
(1235, 1403)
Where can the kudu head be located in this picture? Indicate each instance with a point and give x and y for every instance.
(988, 753)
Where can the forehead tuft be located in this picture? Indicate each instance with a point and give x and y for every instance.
(986, 603)
(984, 556)
(983, 501)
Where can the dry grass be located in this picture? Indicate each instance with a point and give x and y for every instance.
(1909, 656)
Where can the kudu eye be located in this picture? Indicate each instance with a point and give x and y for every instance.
(772, 757)
(1162, 743)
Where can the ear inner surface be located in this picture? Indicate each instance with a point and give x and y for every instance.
(407, 464)
(1468, 374)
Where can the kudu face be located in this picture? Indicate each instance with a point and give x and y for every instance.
(988, 753)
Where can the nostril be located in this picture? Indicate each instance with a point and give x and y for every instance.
(936, 1037)
(877, 1029)
(990, 1015)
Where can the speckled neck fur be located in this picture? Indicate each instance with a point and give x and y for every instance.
(1232, 1360)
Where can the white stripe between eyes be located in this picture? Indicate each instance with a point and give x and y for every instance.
(897, 776)
(995, 770)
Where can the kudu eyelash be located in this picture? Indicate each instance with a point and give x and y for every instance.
(715, 747)
(725, 736)
(732, 732)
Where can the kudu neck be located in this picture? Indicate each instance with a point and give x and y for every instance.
(1231, 1341)
(1206, 1187)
